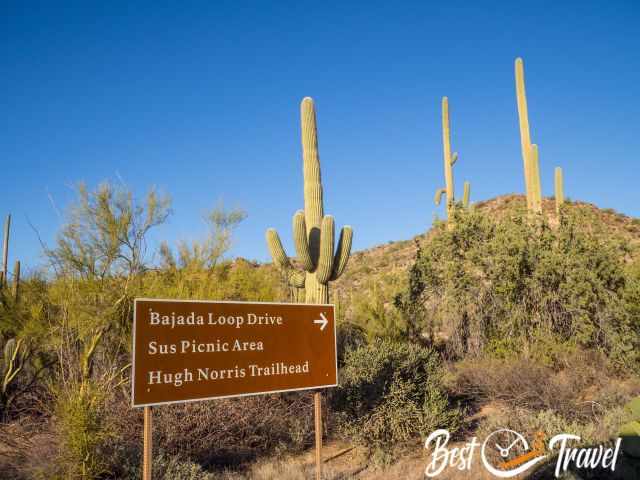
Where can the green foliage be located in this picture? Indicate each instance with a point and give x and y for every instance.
(349, 336)
(13, 360)
(390, 392)
(488, 279)
(105, 232)
(205, 254)
(630, 431)
(83, 434)
(372, 309)
(173, 468)
(599, 429)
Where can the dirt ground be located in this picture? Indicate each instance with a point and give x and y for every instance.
(343, 461)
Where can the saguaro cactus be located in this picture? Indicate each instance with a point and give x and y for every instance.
(313, 232)
(536, 187)
(529, 150)
(449, 160)
(466, 194)
(5, 250)
(559, 186)
(16, 280)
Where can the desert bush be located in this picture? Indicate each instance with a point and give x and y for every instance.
(390, 392)
(166, 467)
(599, 428)
(232, 430)
(82, 431)
(511, 279)
(566, 389)
(372, 308)
(173, 468)
(349, 336)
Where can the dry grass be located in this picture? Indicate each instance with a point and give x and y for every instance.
(568, 389)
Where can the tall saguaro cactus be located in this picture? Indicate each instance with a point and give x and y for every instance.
(313, 231)
(5, 251)
(559, 187)
(529, 151)
(449, 160)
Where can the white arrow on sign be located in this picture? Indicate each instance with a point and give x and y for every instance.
(322, 321)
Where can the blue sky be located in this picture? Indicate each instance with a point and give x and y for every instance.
(201, 99)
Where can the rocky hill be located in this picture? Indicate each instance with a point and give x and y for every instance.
(385, 266)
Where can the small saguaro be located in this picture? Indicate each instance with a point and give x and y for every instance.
(16, 280)
(466, 194)
(536, 193)
(559, 187)
(449, 160)
(529, 151)
(313, 231)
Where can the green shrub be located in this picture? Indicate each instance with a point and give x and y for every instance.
(173, 468)
(373, 310)
(390, 392)
(491, 278)
(348, 337)
(83, 434)
(599, 428)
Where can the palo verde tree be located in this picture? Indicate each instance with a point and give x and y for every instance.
(205, 254)
(105, 233)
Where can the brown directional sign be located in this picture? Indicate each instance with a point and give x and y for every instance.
(195, 350)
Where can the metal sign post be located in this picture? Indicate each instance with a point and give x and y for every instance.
(317, 404)
(147, 445)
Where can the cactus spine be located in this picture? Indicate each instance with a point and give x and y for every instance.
(313, 232)
(529, 150)
(559, 186)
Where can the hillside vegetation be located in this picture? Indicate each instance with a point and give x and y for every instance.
(534, 318)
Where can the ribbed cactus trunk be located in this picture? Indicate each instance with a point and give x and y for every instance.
(559, 189)
(449, 159)
(16, 280)
(533, 188)
(313, 232)
(534, 167)
(315, 292)
(5, 251)
(466, 195)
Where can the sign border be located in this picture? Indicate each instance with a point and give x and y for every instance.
(238, 395)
